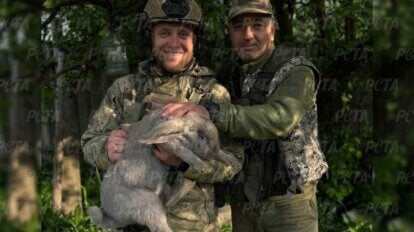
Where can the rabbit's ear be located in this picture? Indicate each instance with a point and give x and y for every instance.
(164, 132)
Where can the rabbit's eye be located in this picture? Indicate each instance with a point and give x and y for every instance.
(201, 134)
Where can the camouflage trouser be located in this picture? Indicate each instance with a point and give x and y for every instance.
(299, 214)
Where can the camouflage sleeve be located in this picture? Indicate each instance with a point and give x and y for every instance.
(281, 112)
(220, 172)
(106, 118)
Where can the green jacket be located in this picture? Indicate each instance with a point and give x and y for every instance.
(282, 111)
(123, 103)
(274, 103)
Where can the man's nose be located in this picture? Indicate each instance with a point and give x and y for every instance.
(174, 41)
(248, 33)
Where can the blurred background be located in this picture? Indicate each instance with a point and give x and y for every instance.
(58, 57)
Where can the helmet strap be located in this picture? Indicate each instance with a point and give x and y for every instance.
(146, 31)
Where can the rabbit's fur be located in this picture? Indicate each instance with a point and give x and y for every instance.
(135, 189)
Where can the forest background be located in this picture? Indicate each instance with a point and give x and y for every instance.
(58, 57)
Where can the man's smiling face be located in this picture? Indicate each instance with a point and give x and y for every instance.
(251, 35)
(173, 45)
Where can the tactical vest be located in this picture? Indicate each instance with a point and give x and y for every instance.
(194, 85)
(294, 159)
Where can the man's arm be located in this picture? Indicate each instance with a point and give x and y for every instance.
(220, 172)
(105, 119)
(277, 116)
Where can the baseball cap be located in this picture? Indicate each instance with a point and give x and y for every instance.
(239, 7)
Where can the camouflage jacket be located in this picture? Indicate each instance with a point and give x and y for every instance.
(275, 111)
(123, 103)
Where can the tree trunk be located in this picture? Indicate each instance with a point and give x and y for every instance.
(284, 14)
(67, 185)
(319, 9)
(395, 31)
(349, 24)
(22, 189)
(46, 146)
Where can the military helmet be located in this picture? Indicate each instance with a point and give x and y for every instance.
(239, 7)
(183, 11)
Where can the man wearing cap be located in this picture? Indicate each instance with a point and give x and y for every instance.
(172, 71)
(273, 111)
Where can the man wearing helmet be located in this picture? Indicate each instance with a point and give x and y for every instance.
(171, 70)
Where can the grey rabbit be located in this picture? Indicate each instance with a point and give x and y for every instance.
(135, 189)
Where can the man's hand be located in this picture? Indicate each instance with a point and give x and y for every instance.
(178, 110)
(166, 157)
(116, 144)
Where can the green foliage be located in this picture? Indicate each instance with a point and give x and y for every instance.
(214, 41)
(346, 185)
(226, 228)
(358, 224)
(79, 220)
(49, 4)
